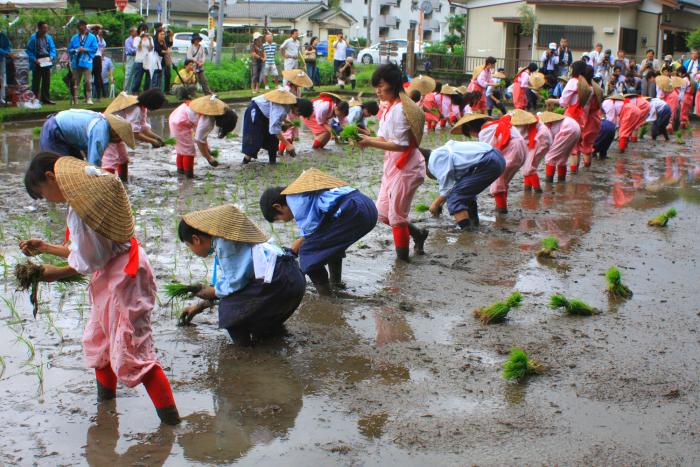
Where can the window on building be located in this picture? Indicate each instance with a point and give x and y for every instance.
(398, 3)
(383, 31)
(398, 24)
(580, 37)
(427, 35)
(364, 22)
(384, 10)
(413, 24)
(453, 9)
(628, 40)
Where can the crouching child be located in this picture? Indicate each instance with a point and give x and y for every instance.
(258, 285)
(331, 216)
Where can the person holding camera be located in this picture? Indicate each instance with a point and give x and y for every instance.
(143, 43)
(198, 55)
(650, 60)
(550, 60)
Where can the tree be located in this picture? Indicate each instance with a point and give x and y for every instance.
(527, 20)
(455, 24)
(451, 40)
(692, 40)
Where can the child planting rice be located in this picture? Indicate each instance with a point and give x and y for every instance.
(519, 365)
(259, 285)
(331, 217)
(565, 136)
(539, 139)
(573, 306)
(117, 340)
(498, 312)
(662, 219)
(319, 120)
(615, 286)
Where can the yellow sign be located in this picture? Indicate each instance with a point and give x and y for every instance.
(331, 50)
(212, 23)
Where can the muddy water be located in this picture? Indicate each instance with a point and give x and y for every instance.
(402, 374)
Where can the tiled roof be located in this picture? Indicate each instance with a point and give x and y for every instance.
(190, 6)
(324, 15)
(586, 3)
(273, 10)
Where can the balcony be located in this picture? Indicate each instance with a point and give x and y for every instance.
(388, 21)
(388, 3)
(431, 25)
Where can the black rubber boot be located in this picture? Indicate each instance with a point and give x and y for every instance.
(319, 277)
(418, 236)
(189, 174)
(402, 254)
(473, 211)
(169, 415)
(104, 394)
(335, 269)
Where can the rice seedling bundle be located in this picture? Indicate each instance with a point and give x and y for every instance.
(549, 246)
(519, 365)
(350, 132)
(170, 141)
(214, 153)
(662, 219)
(178, 290)
(422, 208)
(572, 306)
(643, 131)
(560, 110)
(615, 286)
(497, 312)
(36, 131)
(28, 275)
(296, 123)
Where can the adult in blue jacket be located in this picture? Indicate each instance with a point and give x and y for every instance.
(82, 49)
(41, 52)
(5, 53)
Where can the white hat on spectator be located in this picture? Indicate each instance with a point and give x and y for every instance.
(552, 46)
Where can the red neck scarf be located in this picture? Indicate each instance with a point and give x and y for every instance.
(502, 134)
(531, 133)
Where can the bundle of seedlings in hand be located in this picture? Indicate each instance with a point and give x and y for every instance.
(643, 131)
(679, 137)
(573, 306)
(36, 131)
(615, 286)
(422, 208)
(560, 110)
(497, 312)
(549, 246)
(214, 153)
(519, 365)
(178, 290)
(350, 132)
(296, 123)
(28, 275)
(662, 219)
(169, 141)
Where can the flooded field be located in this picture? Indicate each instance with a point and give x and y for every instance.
(403, 374)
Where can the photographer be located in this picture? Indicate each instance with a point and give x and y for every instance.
(550, 62)
(650, 60)
(596, 58)
(565, 56)
(616, 82)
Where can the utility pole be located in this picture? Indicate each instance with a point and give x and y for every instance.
(410, 52)
(369, 23)
(220, 31)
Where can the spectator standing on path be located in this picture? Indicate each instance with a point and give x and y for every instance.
(198, 55)
(161, 53)
(565, 56)
(290, 51)
(5, 53)
(41, 52)
(340, 53)
(82, 49)
(143, 43)
(168, 60)
(256, 62)
(97, 61)
(310, 57)
(107, 75)
(597, 56)
(621, 62)
(129, 53)
(270, 70)
(650, 60)
(550, 62)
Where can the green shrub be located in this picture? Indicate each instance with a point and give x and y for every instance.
(229, 75)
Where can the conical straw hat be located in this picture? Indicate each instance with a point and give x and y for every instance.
(499, 75)
(550, 117)
(415, 117)
(477, 71)
(462, 90)
(122, 128)
(522, 117)
(208, 105)
(616, 97)
(584, 90)
(664, 83)
(423, 84)
(597, 92)
(677, 81)
(312, 180)
(298, 77)
(121, 102)
(280, 96)
(226, 222)
(354, 102)
(457, 129)
(334, 96)
(448, 90)
(97, 196)
(630, 94)
(537, 80)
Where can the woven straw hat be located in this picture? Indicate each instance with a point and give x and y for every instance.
(664, 83)
(550, 117)
(457, 129)
(313, 180)
(564, 78)
(677, 81)
(414, 115)
(354, 102)
(448, 90)
(423, 84)
(537, 80)
(97, 196)
(208, 105)
(597, 92)
(334, 96)
(280, 96)
(616, 97)
(122, 128)
(631, 94)
(298, 78)
(477, 71)
(499, 75)
(226, 222)
(584, 90)
(522, 117)
(121, 102)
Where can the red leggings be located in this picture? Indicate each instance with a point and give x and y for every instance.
(185, 163)
(122, 171)
(155, 381)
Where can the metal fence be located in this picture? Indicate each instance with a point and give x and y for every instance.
(465, 64)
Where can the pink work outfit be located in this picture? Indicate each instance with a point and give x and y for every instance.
(444, 105)
(118, 332)
(183, 121)
(399, 185)
(520, 84)
(687, 96)
(428, 103)
(515, 154)
(541, 145)
(565, 136)
(480, 84)
(696, 78)
(292, 132)
(634, 114)
(117, 154)
(612, 109)
(569, 99)
(590, 130)
(323, 113)
(672, 99)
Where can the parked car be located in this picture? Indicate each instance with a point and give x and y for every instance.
(371, 54)
(322, 49)
(182, 40)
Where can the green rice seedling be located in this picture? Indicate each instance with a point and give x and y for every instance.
(573, 306)
(662, 219)
(231, 135)
(31, 351)
(422, 208)
(350, 132)
(178, 290)
(643, 131)
(679, 137)
(169, 141)
(28, 275)
(519, 365)
(296, 123)
(214, 153)
(3, 366)
(615, 286)
(36, 131)
(11, 305)
(497, 312)
(559, 110)
(549, 247)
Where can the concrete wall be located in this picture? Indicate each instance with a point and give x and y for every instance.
(647, 26)
(486, 37)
